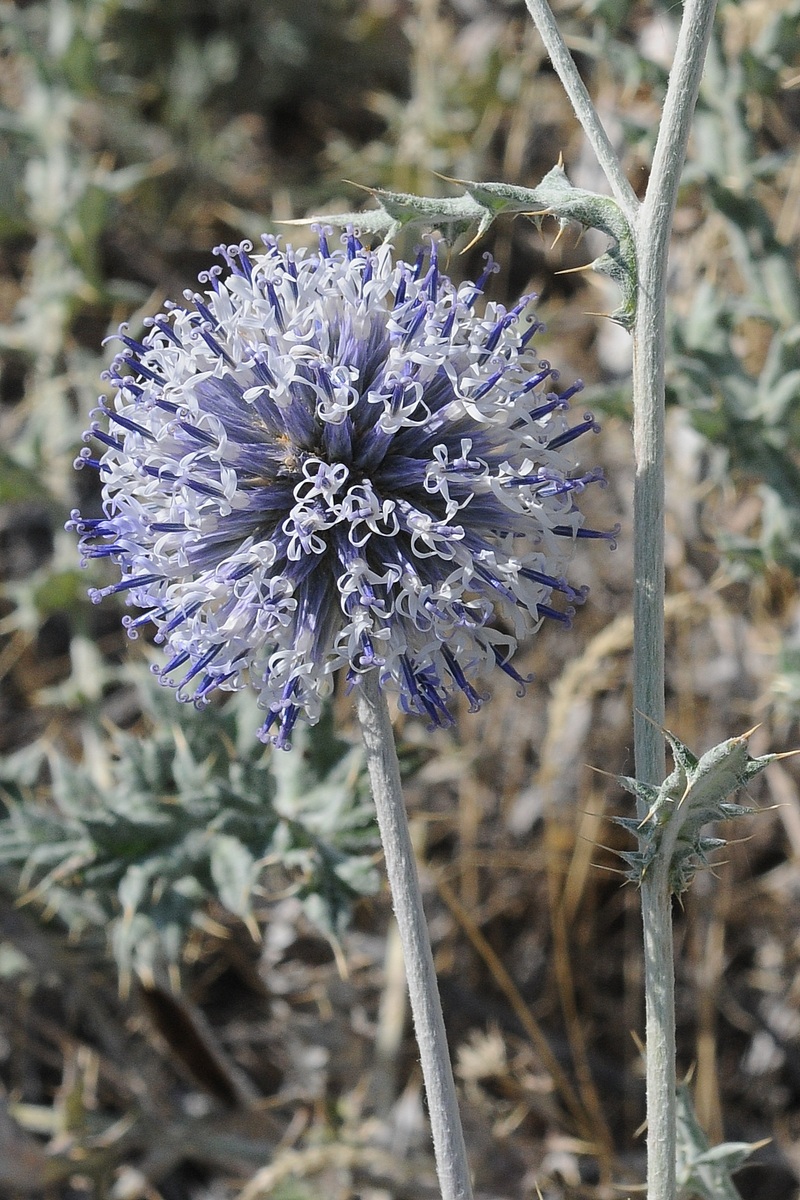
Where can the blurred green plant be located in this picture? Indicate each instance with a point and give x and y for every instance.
(58, 197)
(139, 840)
(751, 411)
(745, 398)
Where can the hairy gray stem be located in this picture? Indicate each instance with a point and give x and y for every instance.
(401, 868)
(652, 234)
(585, 111)
(651, 224)
(652, 230)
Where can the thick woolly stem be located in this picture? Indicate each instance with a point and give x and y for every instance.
(652, 234)
(651, 224)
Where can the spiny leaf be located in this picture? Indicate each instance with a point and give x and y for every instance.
(481, 203)
(693, 795)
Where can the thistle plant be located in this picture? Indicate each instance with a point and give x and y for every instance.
(328, 461)
(331, 463)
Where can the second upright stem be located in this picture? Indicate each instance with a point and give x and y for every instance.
(652, 230)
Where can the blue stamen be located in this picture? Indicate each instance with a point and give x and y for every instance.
(570, 435)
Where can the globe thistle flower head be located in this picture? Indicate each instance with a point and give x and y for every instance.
(329, 460)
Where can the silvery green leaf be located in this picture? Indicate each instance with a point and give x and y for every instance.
(234, 872)
(720, 771)
(703, 1171)
(187, 815)
(360, 875)
(132, 888)
(481, 203)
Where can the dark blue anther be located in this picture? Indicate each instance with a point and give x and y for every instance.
(200, 434)
(106, 439)
(141, 369)
(570, 435)
(165, 327)
(274, 300)
(132, 426)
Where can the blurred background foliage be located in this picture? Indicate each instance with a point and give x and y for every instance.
(199, 993)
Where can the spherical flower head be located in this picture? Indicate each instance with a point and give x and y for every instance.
(331, 460)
